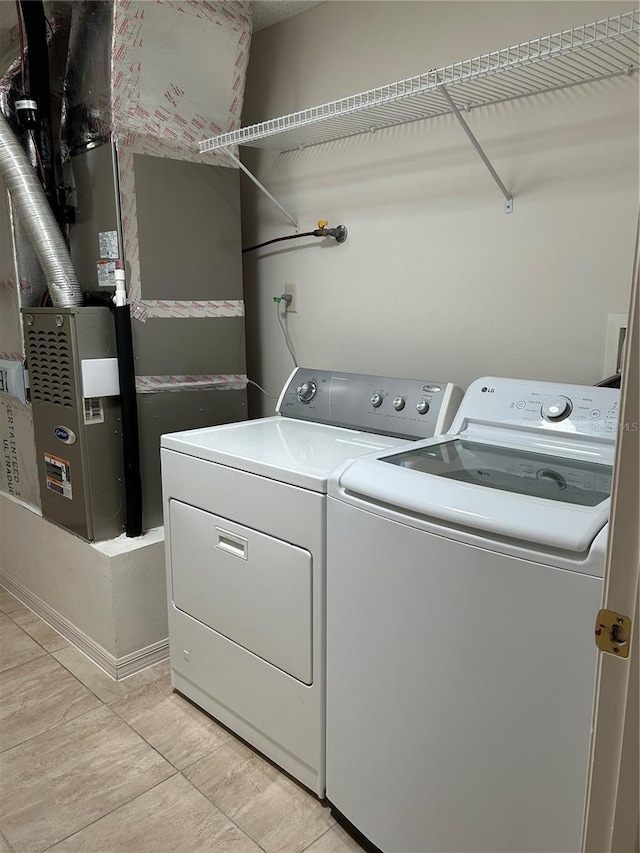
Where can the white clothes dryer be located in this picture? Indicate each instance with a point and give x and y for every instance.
(245, 526)
(464, 577)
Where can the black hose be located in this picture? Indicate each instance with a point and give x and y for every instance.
(339, 234)
(35, 29)
(130, 438)
(279, 240)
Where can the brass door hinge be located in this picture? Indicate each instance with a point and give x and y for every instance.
(613, 633)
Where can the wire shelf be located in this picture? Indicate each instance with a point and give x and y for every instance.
(596, 51)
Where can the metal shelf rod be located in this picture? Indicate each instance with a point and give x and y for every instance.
(508, 206)
(262, 187)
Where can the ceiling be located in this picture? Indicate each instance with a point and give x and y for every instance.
(268, 12)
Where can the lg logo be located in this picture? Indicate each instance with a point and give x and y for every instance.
(486, 390)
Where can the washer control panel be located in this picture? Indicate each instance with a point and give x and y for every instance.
(577, 409)
(407, 408)
(556, 409)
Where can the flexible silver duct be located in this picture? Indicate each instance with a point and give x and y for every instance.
(38, 220)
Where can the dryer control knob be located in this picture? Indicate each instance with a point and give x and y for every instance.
(556, 408)
(423, 407)
(307, 391)
(376, 400)
(398, 404)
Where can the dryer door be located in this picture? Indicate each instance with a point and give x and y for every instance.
(252, 588)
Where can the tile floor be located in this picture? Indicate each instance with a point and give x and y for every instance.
(88, 765)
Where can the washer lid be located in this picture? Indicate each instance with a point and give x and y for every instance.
(509, 492)
(510, 469)
(296, 452)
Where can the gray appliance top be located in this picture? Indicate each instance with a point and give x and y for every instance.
(405, 408)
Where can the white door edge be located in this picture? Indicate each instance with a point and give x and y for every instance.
(612, 808)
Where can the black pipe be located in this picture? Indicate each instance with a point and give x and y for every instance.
(35, 28)
(278, 240)
(130, 439)
(339, 234)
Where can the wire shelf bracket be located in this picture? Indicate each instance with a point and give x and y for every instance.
(508, 198)
(262, 187)
(601, 50)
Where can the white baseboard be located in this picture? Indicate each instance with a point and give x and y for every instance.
(117, 668)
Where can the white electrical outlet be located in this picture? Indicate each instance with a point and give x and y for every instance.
(292, 288)
(614, 348)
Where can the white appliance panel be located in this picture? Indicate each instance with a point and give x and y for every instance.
(277, 714)
(246, 541)
(257, 502)
(463, 692)
(463, 582)
(254, 589)
(523, 517)
(301, 453)
(590, 412)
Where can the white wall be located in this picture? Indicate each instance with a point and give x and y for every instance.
(70, 575)
(108, 598)
(435, 281)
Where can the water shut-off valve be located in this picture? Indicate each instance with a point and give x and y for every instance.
(339, 233)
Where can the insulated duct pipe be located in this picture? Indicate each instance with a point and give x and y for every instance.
(35, 30)
(38, 220)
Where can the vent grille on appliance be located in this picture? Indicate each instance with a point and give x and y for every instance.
(50, 367)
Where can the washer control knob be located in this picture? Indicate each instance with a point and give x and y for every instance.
(398, 403)
(376, 400)
(548, 475)
(423, 407)
(556, 408)
(307, 391)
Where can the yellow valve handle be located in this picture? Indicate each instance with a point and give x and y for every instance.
(322, 223)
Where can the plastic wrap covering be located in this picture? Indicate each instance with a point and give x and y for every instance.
(126, 75)
(9, 51)
(178, 72)
(10, 88)
(38, 220)
(206, 382)
(156, 78)
(86, 104)
(14, 88)
(167, 99)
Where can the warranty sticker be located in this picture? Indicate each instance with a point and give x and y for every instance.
(58, 473)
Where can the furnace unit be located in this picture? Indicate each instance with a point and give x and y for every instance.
(77, 431)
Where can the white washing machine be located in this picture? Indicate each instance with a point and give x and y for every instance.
(464, 577)
(245, 525)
